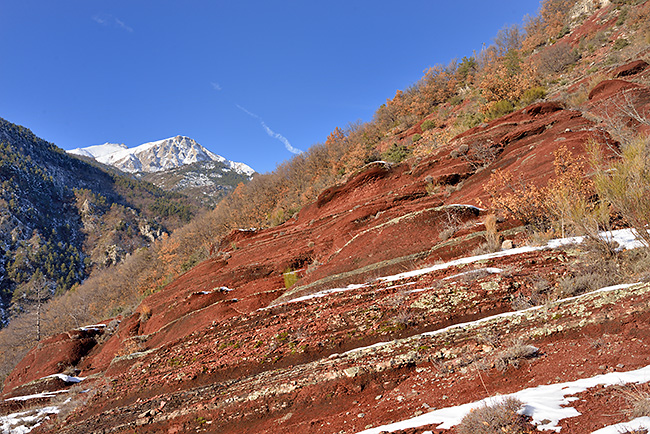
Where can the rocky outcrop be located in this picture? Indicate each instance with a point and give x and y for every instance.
(53, 356)
(629, 69)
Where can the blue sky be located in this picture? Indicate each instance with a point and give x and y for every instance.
(249, 80)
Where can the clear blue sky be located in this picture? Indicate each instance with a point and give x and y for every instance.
(246, 79)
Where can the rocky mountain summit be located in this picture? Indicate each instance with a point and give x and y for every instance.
(157, 156)
(176, 164)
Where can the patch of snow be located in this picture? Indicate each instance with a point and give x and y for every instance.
(67, 378)
(92, 327)
(546, 404)
(624, 237)
(489, 270)
(413, 291)
(355, 350)
(98, 151)
(37, 395)
(223, 289)
(461, 205)
(634, 424)
(327, 292)
(25, 421)
(241, 168)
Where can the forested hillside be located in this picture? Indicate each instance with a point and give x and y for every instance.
(207, 182)
(62, 217)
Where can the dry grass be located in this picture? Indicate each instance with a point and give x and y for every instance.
(638, 399)
(636, 264)
(539, 294)
(145, 312)
(583, 282)
(513, 354)
(492, 237)
(499, 418)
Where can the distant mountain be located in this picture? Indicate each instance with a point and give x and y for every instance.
(60, 217)
(158, 156)
(205, 181)
(98, 152)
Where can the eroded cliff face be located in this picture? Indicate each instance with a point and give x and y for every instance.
(296, 328)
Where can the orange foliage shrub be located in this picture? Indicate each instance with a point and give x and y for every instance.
(521, 200)
(438, 85)
(567, 201)
(505, 77)
(547, 24)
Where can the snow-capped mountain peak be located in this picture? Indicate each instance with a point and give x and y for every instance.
(157, 156)
(98, 151)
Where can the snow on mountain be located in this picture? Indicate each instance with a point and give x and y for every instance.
(98, 151)
(157, 156)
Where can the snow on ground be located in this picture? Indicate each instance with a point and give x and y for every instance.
(489, 270)
(67, 378)
(327, 292)
(634, 424)
(93, 327)
(624, 237)
(460, 205)
(25, 421)
(546, 404)
(37, 395)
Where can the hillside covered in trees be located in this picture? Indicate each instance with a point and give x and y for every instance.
(62, 218)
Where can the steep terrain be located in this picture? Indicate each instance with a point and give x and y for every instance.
(206, 181)
(177, 164)
(61, 216)
(157, 156)
(396, 300)
(228, 347)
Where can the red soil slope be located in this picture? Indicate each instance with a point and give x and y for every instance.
(224, 349)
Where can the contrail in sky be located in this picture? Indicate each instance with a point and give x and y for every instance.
(271, 133)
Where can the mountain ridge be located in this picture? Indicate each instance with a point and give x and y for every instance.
(61, 216)
(157, 156)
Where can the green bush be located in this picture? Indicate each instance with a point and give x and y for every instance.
(533, 94)
(470, 120)
(620, 43)
(428, 124)
(622, 16)
(396, 153)
(416, 137)
(500, 108)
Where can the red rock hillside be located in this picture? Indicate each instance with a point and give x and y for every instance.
(228, 348)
